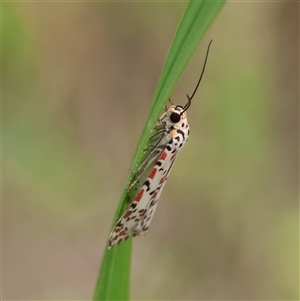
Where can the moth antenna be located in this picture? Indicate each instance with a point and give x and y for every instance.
(202, 72)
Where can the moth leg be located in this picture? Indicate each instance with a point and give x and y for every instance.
(145, 160)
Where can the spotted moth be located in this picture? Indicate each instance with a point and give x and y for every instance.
(169, 137)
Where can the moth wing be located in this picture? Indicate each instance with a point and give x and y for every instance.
(128, 223)
(159, 182)
(137, 218)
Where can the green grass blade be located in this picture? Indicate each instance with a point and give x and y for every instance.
(114, 278)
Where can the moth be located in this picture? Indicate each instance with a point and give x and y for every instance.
(168, 138)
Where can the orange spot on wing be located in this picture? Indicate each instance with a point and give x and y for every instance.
(154, 195)
(153, 172)
(162, 180)
(140, 195)
(122, 233)
(173, 133)
(127, 214)
(163, 156)
(173, 157)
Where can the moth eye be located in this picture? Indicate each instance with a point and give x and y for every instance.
(175, 117)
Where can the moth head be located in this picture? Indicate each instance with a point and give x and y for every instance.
(176, 114)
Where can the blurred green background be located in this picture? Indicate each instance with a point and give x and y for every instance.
(78, 79)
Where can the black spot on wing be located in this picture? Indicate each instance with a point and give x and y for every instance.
(152, 192)
(147, 183)
(133, 205)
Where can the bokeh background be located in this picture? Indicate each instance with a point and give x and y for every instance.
(78, 80)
